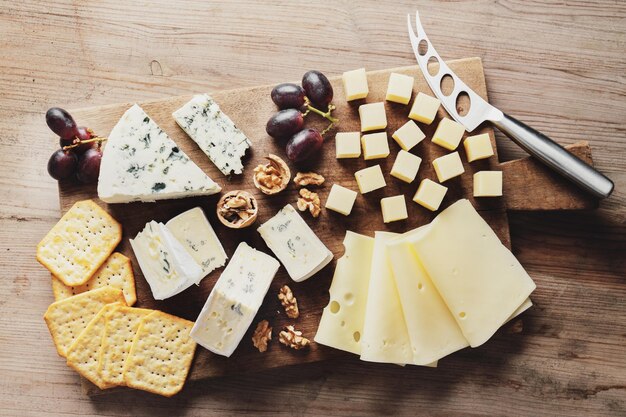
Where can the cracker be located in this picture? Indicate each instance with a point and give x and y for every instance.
(83, 354)
(79, 243)
(115, 272)
(161, 354)
(67, 318)
(121, 327)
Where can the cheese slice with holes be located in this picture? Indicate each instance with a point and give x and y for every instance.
(480, 280)
(341, 325)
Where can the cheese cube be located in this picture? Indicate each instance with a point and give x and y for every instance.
(448, 166)
(355, 84)
(448, 134)
(373, 116)
(348, 145)
(340, 199)
(400, 88)
(370, 179)
(406, 165)
(408, 135)
(375, 145)
(478, 147)
(488, 184)
(424, 108)
(394, 208)
(430, 194)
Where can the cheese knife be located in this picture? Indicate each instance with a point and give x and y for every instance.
(535, 143)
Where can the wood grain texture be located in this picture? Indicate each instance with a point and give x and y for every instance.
(558, 66)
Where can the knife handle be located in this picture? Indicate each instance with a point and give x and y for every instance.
(555, 156)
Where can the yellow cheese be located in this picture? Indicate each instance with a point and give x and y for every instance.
(373, 116)
(406, 166)
(430, 194)
(340, 199)
(448, 166)
(394, 208)
(478, 147)
(479, 279)
(355, 84)
(370, 179)
(424, 108)
(348, 145)
(341, 325)
(400, 88)
(488, 184)
(432, 330)
(448, 134)
(408, 135)
(375, 145)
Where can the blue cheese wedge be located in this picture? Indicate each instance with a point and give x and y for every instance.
(193, 230)
(141, 163)
(165, 263)
(295, 244)
(235, 300)
(214, 132)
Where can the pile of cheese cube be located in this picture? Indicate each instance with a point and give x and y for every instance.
(374, 145)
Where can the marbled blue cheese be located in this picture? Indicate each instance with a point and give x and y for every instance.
(166, 265)
(235, 300)
(214, 132)
(141, 163)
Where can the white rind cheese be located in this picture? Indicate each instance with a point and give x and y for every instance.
(294, 243)
(194, 232)
(165, 263)
(235, 300)
(214, 132)
(141, 163)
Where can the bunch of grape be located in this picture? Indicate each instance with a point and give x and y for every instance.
(295, 103)
(80, 153)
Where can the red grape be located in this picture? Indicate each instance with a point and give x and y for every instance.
(285, 124)
(288, 96)
(62, 164)
(318, 89)
(61, 123)
(304, 145)
(89, 166)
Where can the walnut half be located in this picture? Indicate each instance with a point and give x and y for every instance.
(308, 178)
(289, 302)
(309, 200)
(293, 338)
(237, 209)
(273, 177)
(262, 335)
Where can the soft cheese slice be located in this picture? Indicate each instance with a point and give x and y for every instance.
(193, 230)
(433, 332)
(165, 263)
(342, 320)
(214, 132)
(295, 244)
(235, 300)
(141, 163)
(480, 280)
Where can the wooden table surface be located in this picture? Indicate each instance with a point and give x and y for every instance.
(560, 66)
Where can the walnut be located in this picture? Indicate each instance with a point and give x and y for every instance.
(272, 177)
(293, 338)
(237, 209)
(308, 178)
(262, 335)
(289, 302)
(309, 200)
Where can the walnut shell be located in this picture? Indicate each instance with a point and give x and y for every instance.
(273, 177)
(237, 209)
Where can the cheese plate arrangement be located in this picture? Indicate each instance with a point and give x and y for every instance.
(236, 231)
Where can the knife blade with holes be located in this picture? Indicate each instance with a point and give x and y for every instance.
(535, 143)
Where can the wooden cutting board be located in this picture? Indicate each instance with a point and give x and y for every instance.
(527, 186)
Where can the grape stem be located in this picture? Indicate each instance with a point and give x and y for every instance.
(82, 142)
(326, 115)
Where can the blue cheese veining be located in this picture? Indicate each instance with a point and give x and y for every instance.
(214, 132)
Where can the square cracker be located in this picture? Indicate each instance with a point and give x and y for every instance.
(115, 272)
(66, 319)
(79, 243)
(161, 354)
(83, 354)
(119, 332)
